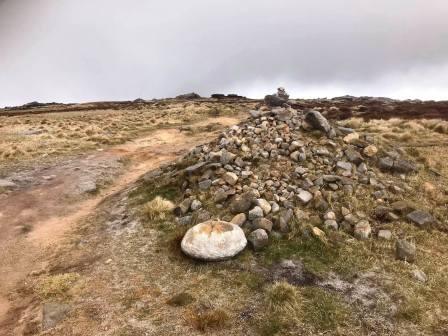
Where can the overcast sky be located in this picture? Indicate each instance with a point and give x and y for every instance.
(86, 50)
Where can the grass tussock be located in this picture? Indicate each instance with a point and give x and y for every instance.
(206, 318)
(57, 285)
(158, 208)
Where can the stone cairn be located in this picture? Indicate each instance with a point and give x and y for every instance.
(284, 166)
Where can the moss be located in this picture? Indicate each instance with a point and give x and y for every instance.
(57, 285)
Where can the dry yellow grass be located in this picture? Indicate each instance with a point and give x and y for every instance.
(158, 208)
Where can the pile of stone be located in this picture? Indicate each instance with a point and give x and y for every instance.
(284, 166)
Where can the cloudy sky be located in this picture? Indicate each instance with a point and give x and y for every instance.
(86, 50)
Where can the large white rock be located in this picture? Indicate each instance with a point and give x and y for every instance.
(213, 240)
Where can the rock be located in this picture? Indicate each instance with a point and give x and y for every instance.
(419, 275)
(318, 121)
(239, 219)
(318, 233)
(421, 218)
(194, 169)
(256, 212)
(262, 203)
(386, 163)
(402, 207)
(344, 165)
(362, 230)
(220, 196)
(230, 178)
(183, 207)
(405, 250)
(262, 223)
(53, 313)
(186, 220)
(281, 92)
(7, 184)
(353, 155)
(241, 203)
(384, 234)
(274, 101)
(349, 138)
(370, 150)
(404, 166)
(191, 95)
(87, 187)
(205, 184)
(213, 241)
(304, 196)
(258, 239)
(255, 113)
(195, 205)
(331, 224)
(284, 217)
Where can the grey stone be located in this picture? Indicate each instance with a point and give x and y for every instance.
(195, 205)
(183, 207)
(405, 250)
(53, 313)
(220, 196)
(420, 218)
(353, 155)
(344, 165)
(194, 168)
(284, 217)
(242, 203)
(256, 212)
(205, 184)
(331, 224)
(87, 187)
(404, 166)
(186, 220)
(318, 121)
(273, 101)
(258, 239)
(304, 196)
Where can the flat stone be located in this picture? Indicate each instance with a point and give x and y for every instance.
(53, 313)
(7, 184)
(420, 218)
(344, 165)
(194, 168)
(213, 241)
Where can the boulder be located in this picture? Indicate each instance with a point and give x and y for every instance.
(191, 95)
(213, 241)
(318, 121)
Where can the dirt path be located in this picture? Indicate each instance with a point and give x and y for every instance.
(36, 217)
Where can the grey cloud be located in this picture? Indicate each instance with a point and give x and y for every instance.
(53, 50)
